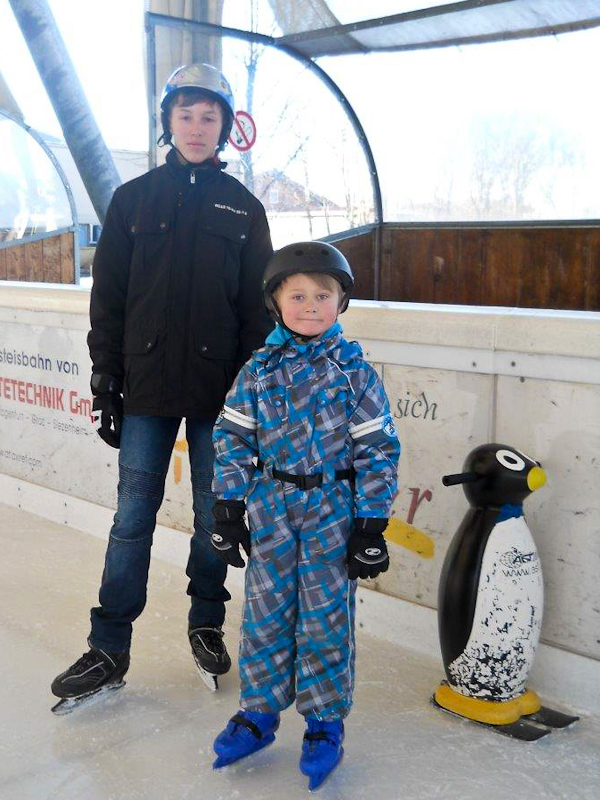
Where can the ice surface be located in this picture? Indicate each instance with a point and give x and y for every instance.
(152, 740)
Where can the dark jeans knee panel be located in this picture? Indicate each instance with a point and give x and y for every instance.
(137, 484)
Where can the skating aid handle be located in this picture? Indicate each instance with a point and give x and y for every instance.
(461, 477)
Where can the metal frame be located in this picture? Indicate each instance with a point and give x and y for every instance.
(74, 229)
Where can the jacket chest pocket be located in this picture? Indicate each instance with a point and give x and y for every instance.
(274, 405)
(332, 397)
(150, 244)
(223, 234)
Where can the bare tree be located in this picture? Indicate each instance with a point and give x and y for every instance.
(286, 123)
(509, 154)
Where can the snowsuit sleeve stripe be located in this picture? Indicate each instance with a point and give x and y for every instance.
(356, 431)
(237, 418)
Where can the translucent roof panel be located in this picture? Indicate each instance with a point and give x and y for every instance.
(502, 131)
(296, 16)
(467, 22)
(348, 11)
(260, 16)
(33, 198)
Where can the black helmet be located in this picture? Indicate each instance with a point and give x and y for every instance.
(306, 257)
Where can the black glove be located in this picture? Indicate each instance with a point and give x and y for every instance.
(367, 551)
(230, 531)
(107, 408)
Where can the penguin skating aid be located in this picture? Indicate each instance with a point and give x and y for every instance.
(491, 599)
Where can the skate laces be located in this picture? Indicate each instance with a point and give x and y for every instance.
(210, 638)
(86, 660)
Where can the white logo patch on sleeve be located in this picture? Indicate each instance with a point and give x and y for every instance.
(389, 428)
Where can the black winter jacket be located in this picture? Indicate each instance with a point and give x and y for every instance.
(176, 305)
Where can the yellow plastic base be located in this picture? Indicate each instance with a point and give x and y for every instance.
(493, 712)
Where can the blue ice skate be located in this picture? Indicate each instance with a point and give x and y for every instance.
(322, 750)
(246, 732)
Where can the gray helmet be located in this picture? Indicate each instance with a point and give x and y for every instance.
(306, 257)
(209, 80)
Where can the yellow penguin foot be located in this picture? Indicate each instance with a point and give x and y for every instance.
(521, 717)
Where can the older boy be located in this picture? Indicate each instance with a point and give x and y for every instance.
(316, 417)
(176, 309)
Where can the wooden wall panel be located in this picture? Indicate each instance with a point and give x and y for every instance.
(503, 267)
(414, 253)
(443, 266)
(538, 256)
(471, 259)
(359, 252)
(67, 258)
(524, 267)
(592, 276)
(15, 264)
(33, 260)
(385, 284)
(568, 271)
(50, 260)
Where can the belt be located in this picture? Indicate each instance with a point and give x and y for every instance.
(306, 482)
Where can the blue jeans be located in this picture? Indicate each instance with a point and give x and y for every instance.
(146, 447)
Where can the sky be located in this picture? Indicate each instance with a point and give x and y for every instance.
(418, 109)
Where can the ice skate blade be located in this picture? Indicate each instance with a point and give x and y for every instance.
(316, 780)
(209, 678)
(225, 761)
(69, 704)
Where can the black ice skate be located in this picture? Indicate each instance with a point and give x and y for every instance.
(91, 676)
(209, 653)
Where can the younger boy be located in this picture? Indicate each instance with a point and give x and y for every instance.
(315, 417)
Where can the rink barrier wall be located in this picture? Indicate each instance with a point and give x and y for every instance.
(456, 376)
(557, 675)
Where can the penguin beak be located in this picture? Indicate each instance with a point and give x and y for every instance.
(536, 478)
(461, 477)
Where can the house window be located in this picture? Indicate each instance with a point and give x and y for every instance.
(96, 231)
(84, 234)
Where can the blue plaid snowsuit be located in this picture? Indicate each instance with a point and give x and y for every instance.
(303, 409)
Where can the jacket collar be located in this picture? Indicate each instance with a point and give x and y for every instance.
(281, 344)
(183, 172)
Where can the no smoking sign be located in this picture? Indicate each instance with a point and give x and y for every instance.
(243, 131)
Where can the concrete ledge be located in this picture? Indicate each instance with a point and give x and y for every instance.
(521, 330)
(60, 298)
(557, 675)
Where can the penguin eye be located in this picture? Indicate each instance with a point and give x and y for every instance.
(510, 460)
